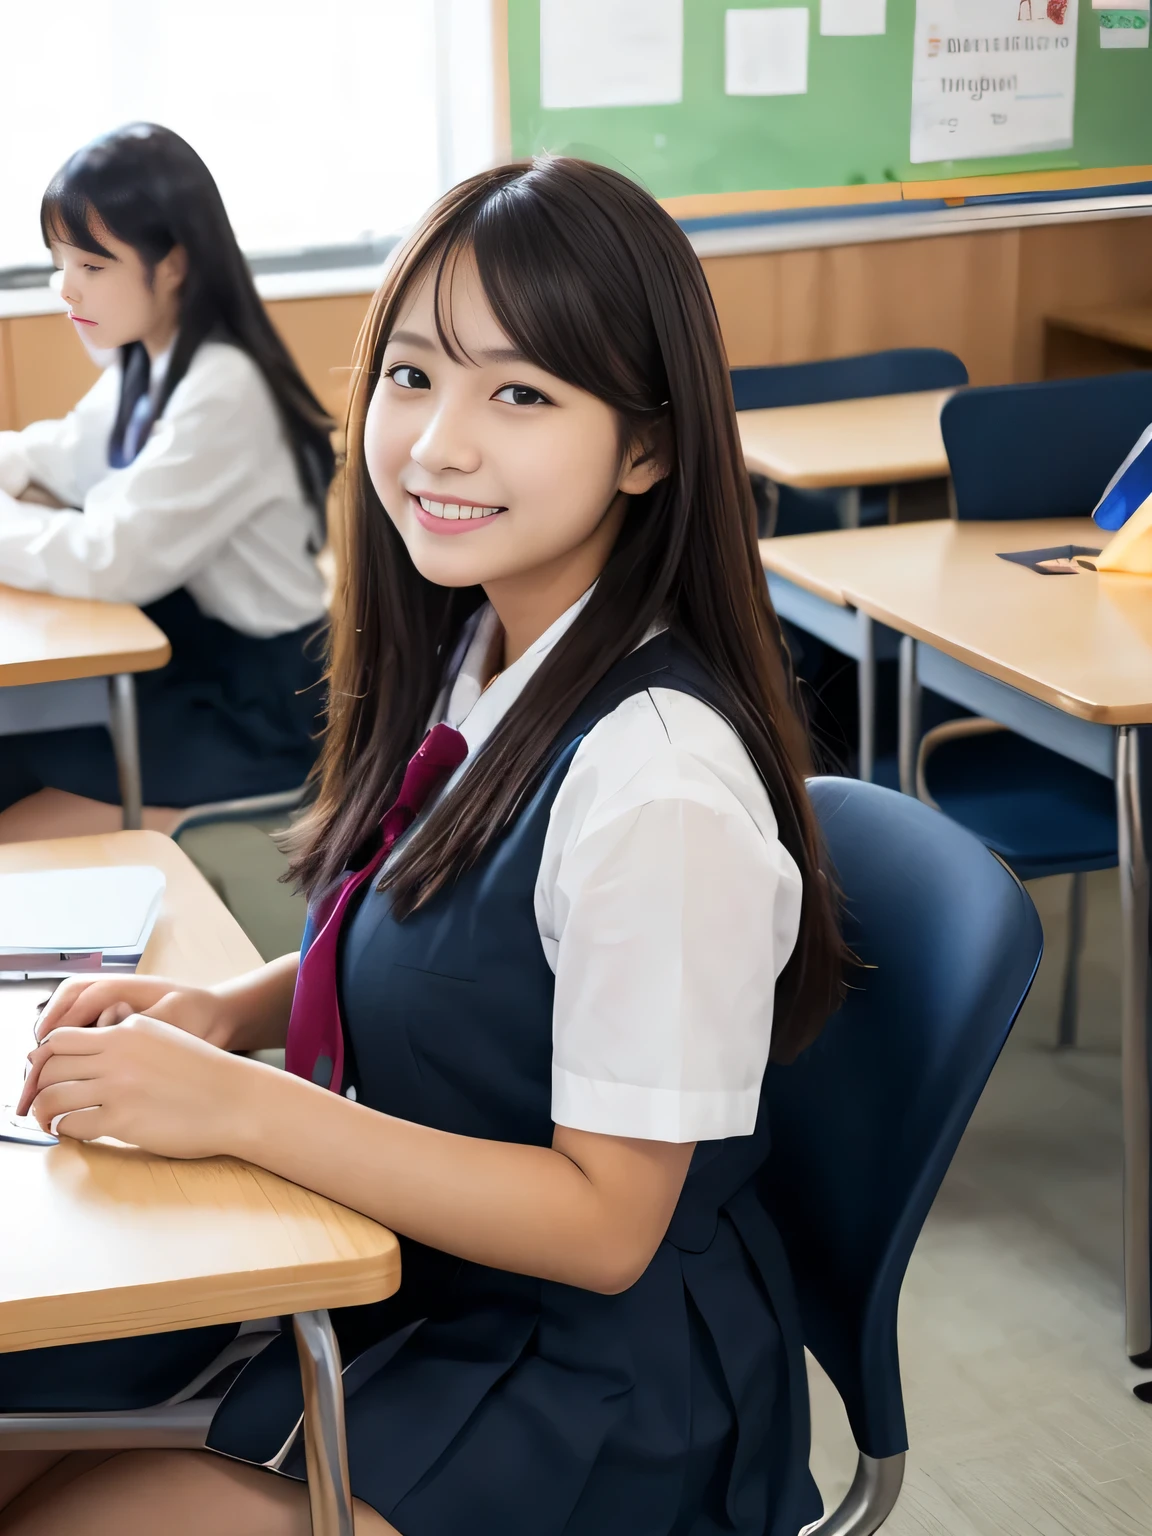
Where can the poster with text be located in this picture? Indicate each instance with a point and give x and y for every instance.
(992, 77)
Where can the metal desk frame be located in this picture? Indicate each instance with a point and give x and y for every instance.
(109, 701)
(1113, 751)
(851, 632)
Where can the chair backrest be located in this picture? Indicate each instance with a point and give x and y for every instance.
(1042, 450)
(900, 372)
(865, 1122)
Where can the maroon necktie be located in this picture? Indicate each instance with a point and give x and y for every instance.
(315, 1046)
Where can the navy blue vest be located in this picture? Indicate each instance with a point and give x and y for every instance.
(523, 1405)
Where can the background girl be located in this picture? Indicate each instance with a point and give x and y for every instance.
(191, 479)
(537, 1050)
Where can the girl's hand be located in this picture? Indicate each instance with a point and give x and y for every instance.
(78, 1003)
(144, 1082)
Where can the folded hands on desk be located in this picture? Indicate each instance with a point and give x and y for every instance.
(139, 1059)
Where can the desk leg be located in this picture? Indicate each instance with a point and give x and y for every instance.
(1134, 1045)
(866, 696)
(325, 1447)
(848, 506)
(126, 745)
(909, 740)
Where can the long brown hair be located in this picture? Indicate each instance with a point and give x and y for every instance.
(596, 284)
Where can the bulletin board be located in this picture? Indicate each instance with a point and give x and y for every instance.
(846, 139)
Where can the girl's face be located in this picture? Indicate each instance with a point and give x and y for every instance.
(495, 472)
(113, 300)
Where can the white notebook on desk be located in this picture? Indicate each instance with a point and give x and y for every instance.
(59, 922)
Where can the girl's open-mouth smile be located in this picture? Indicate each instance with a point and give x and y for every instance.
(452, 516)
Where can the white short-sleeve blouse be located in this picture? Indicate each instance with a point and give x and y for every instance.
(666, 904)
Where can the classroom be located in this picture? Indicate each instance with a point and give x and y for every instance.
(575, 757)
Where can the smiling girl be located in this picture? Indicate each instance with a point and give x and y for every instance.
(552, 942)
(191, 480)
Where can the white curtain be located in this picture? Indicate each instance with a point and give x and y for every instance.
(323, 121)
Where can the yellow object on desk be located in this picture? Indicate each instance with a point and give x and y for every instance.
(1130, 547)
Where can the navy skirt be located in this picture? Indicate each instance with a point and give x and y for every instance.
(229, 716)
(109, 1376)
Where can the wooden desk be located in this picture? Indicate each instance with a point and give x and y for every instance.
(57, 647)
(121, 1242)
(845, 444)
(1104, 339)
(1082, 644)
(1063, 660)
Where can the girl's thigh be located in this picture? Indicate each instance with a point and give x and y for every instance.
(181, 1493)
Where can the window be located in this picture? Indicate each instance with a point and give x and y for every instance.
(324, 122)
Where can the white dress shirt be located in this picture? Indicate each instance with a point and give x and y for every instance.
(212, 502)
(666, 904)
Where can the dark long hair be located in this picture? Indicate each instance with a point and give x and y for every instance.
(596, 284)
(149, 188)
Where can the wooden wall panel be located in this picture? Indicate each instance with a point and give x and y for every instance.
(956, 292)
(50, 368)
(7, 383)
(321, 336)
(982, 296)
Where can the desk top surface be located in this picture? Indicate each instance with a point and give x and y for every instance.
(45, 639)
(879, 441)
(1128, 324)
(1082, 643)
(103, 1241)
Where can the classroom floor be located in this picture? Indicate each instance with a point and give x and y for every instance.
(1021, 1417)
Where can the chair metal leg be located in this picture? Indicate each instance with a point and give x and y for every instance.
(1134, 1045)
(848, 506)
(909, 741)
(1070, 1003)
(126, 745)
(171, 1425)
(868, 1503)
(325, 1445)
(866, 696)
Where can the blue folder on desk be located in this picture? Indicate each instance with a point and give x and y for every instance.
(1129, 488)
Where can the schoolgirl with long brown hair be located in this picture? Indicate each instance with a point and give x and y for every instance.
(566, 902)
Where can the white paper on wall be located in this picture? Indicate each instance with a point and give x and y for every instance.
(853, 18)
(1122, 27)
(992, 77)
(611, 53)
(766, 52)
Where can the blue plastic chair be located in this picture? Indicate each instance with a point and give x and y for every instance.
(1042, 450)
(1022, 451)
(902, 371)
(866, 1121)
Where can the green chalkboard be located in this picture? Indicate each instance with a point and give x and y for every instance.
(851, 128)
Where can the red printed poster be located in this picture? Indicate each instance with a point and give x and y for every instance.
(992, 77)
